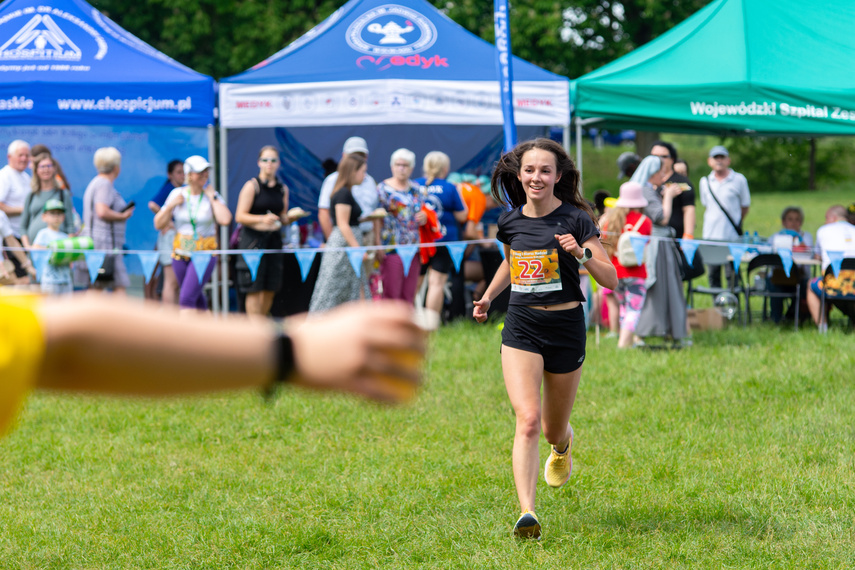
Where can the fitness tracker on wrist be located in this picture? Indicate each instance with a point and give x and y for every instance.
(587, 256)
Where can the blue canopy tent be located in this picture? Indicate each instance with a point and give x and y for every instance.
(74, 80)
(398, 74)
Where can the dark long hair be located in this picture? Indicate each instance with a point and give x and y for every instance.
(507, 188)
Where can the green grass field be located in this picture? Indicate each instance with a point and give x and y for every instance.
(735, 453)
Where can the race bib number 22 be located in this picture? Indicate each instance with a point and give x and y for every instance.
(535, 271)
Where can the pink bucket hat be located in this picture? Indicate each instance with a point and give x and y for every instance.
(631, 196)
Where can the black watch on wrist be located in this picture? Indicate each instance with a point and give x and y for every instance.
(587, 256)
(284, 347)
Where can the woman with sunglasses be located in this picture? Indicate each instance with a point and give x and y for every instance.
(261, 210)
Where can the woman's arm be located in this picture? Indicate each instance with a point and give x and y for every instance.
(25, 220)
(150, 350)
(12, 241)
(342, 222)
(283, 217)
(599, 266)
(653, 210)
(500, 282)
(222, 214)
(163, 218)
(107, 214)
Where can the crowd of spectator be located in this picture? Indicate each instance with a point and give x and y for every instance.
(389, 217)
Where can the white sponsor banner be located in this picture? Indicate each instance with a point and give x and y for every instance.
(390, 102)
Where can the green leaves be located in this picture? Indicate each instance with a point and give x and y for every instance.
(222, 37)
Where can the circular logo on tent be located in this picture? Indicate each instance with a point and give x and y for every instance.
(391, 30)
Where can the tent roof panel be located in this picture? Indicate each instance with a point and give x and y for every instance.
(750, 66)
(379, 39)
(63, 62)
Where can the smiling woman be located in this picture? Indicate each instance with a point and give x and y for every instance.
(547, 235)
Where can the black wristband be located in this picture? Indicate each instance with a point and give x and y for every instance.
(284, 348)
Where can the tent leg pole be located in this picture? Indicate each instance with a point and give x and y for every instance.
(212, 158)
(224, 234)
(579, 153)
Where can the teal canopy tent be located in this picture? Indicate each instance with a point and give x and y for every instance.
(736, 67)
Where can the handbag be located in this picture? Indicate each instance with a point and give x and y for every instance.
(693, 271)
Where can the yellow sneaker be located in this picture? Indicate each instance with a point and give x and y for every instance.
(527, 526)
(559, 465)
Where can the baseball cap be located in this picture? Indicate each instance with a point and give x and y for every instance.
(625, 160)
(355, 144)
(54, 204)
(718, 150)
(196, 163)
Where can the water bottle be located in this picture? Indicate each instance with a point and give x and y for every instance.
(294, 235)
(756, 238)
(746, 238)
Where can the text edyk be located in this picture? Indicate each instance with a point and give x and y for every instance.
(385, 62)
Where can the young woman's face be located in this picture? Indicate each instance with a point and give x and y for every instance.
(46, 170)
(538, 174)
(359, 175)
(268, 162)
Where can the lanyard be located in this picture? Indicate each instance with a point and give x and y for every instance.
(192, 212)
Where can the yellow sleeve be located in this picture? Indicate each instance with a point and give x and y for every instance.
(22, 345)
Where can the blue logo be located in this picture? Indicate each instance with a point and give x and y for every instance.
(391, 30)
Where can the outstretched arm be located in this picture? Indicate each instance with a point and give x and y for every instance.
(121, 347)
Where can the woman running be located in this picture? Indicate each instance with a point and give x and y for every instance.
(547, 235)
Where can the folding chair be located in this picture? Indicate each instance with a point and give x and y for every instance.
(718, 255)
(840, 290)
(770, 264)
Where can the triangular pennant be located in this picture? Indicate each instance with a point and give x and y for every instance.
(200, 261)
(786, 256)
(252, 258)
(148, 260)
(407, 253)
(355, 255)
(40, 260)
(638, 243)
(305, 258)
(737, 251)
(94, 261)
(456, 251)
(501, 248)
(689, 247)
(836, 259)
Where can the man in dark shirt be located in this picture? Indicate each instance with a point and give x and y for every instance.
(683, 212)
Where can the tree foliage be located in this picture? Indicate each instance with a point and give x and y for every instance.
(222, 37)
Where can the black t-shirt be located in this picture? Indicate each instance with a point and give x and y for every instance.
(345, 196)
(542, 273)
(681, 200)
(268, 198)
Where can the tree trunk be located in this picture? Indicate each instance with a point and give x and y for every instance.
(644, 140)
(812, 167)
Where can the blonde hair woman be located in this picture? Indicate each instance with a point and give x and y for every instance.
(445, 199)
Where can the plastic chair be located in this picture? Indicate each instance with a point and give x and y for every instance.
(718, 255)
(845, 282)
(770, 264)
